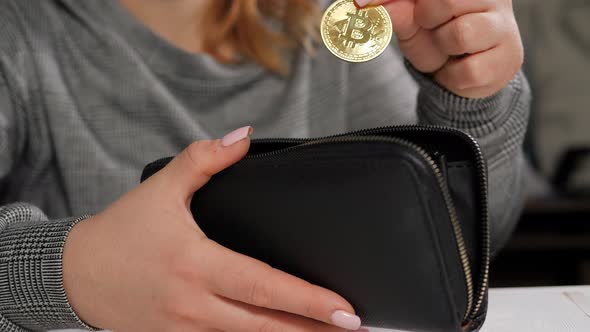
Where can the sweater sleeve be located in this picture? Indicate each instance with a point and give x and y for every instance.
(499, 124)
(32, 295)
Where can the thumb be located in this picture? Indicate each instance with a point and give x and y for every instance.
(194, 166)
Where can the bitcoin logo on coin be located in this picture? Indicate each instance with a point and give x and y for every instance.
(356, 29)
(356, 35)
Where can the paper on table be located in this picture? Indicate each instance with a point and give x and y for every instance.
(536, 310)
(581, 300)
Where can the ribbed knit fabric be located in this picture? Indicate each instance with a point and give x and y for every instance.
(31, 282)
(88, 96)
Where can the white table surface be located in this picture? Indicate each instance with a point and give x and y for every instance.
(546, 309)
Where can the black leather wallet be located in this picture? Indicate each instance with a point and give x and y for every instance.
(394, 219)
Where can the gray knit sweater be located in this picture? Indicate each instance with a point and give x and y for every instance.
(88, 96)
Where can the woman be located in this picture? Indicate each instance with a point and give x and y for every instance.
(90, 91)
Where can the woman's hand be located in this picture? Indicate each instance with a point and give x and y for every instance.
(472, 47)
(144, 265)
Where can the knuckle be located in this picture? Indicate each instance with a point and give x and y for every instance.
(200, 154)
(309, 309)
(449, 4)
(473, 72)
(181, 266)
(177, 306)
(173, 309)
(462, 31)
(269, 326)
(180, 280)
(187, 313)
(313, 298)
(194, 152)
(185, 260)
(260, 294)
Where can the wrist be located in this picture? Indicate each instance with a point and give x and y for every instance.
(75, 266)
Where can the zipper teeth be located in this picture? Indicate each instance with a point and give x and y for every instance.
(485, 265)
(483, 185)
(458, 235)
(462, 249)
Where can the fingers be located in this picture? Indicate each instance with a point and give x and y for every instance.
(416, 43)
(423, 53)
(482, 74)
(194, 166)
(229, 315)
(435, 36)
(363, 3)
(402, 18)
(433, 13)
(247, 280)
(463, 34)
(429, 14)
(429, 50)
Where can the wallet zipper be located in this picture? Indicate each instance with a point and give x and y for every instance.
(475, 297)
(481, 169)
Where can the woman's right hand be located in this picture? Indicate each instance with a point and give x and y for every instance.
(143, 264)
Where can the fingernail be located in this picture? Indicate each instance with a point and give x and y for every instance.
(236, 136)
(346, 320)
(362, 3)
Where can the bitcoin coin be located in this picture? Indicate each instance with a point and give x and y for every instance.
(354, 34)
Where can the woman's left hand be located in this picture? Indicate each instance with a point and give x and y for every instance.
(471, 47)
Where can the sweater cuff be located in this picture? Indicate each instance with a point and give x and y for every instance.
(32, 293)
(478, 117)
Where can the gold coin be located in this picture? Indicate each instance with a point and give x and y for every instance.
(356, 35)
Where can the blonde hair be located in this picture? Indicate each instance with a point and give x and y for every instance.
(263, 30)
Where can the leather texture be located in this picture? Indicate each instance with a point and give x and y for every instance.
(364, 216)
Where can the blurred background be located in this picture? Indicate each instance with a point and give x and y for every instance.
(551, 245)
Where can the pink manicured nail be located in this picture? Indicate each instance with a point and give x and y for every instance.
(346, 320)
(362, 3)
(236, 136)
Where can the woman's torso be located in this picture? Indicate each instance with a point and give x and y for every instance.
(102, 96)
